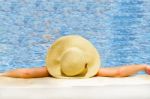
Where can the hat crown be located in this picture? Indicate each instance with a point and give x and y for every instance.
(73, 62)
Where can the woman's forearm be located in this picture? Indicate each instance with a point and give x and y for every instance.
(27, 73)
(122, 71)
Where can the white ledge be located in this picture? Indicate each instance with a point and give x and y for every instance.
(136, 87)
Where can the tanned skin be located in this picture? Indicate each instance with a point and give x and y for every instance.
(121, 71)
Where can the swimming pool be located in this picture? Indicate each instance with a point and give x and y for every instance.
(120, 29)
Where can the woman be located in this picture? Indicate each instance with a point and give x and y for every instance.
(74, 56)
(123, 71)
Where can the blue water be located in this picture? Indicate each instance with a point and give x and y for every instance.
(120, 29)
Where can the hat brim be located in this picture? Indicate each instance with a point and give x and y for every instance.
(54, 52)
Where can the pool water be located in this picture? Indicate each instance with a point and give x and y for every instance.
(120, 29)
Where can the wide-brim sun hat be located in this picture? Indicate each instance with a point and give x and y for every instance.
(72, 57)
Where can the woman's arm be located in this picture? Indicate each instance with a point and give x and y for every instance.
(123, 71)
(27, 73)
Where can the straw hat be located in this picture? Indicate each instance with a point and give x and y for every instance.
(72, 56)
